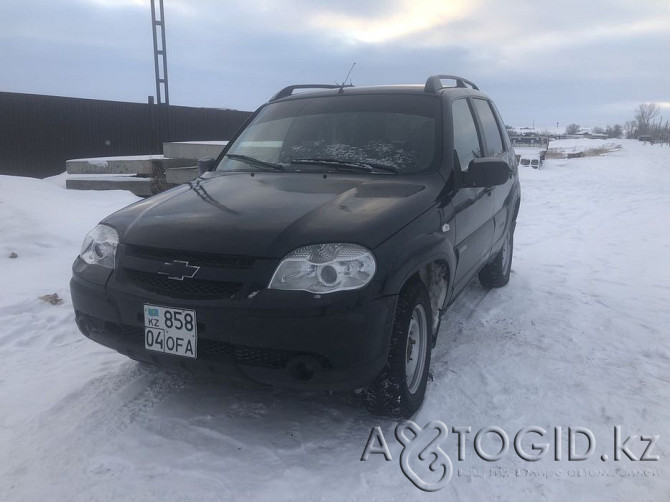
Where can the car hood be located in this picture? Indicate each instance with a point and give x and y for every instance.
(269, 214)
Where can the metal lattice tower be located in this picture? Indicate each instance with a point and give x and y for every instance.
(160, 53)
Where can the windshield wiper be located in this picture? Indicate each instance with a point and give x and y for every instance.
(256, 162)
(344, 164)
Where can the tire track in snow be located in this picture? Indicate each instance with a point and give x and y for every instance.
(111, 403)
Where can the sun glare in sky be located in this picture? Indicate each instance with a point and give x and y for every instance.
(410, 17)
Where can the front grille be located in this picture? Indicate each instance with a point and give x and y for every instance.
(187, 288)
(208, 349)
(194, 258)
(253, 356)
(219, 276)
(214, 349)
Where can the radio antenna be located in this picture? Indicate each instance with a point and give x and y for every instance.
(344, 82)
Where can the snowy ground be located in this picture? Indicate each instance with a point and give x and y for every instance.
(579, 338)
(589, 146)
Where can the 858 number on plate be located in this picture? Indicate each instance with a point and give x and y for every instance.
(171, 331)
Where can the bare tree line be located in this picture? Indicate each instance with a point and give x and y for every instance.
(646, 126)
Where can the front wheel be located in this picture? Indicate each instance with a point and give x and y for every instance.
(496, 274)
(399, 389)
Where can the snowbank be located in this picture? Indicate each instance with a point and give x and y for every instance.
(586, 145)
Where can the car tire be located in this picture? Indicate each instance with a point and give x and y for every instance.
(398, 391)
(496, 274)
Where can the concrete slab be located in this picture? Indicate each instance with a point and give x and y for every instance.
(179, 175)
(139, 186)
(136, 164)
(193, 149)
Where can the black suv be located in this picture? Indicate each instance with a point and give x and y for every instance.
(320, 249)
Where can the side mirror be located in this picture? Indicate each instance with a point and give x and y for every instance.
(206, 164)
(486, 172)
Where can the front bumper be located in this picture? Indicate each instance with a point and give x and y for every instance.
(288, 338)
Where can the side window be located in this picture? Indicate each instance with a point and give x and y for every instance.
(466, 139)
(501, 124)
(494, 144)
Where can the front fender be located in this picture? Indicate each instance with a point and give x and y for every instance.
(417, 253)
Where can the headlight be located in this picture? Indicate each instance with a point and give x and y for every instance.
(325, 268)
(99, 247)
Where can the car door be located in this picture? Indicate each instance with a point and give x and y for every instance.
(473, 207)
(496, 144)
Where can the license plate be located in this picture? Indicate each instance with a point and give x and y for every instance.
(171, 331)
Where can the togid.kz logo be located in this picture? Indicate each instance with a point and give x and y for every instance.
(422, 460)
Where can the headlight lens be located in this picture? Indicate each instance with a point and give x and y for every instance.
(325, 268)
(99, 247)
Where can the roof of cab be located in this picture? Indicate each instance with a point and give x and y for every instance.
(433, 85)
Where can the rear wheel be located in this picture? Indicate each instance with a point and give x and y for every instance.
(496, 274)
(399, 390)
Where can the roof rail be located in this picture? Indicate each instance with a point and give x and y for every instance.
(288, 91)
(434, 83)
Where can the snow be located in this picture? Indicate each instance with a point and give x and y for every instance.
(528, 151)
(102, 161)
(579, 338)
(221, 143)
(583, 145)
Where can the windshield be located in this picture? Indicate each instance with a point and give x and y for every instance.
(381, 134)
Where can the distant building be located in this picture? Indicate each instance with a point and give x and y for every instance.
(587, 135)
(529, 140)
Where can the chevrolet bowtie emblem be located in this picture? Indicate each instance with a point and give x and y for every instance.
(177, 270)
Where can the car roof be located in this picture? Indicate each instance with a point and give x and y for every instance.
(433, 86)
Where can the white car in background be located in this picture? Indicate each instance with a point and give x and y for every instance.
(532, 161)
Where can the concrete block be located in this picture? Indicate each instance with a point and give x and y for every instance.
(139, 186)
(179, 175)
(193, 149)
(138, 164)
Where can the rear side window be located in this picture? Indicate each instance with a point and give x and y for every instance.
(466, 139)
(501, 123)
(494, 143)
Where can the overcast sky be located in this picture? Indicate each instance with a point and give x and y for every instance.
(591, 62)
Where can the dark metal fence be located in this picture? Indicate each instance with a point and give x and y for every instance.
(39, 133)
